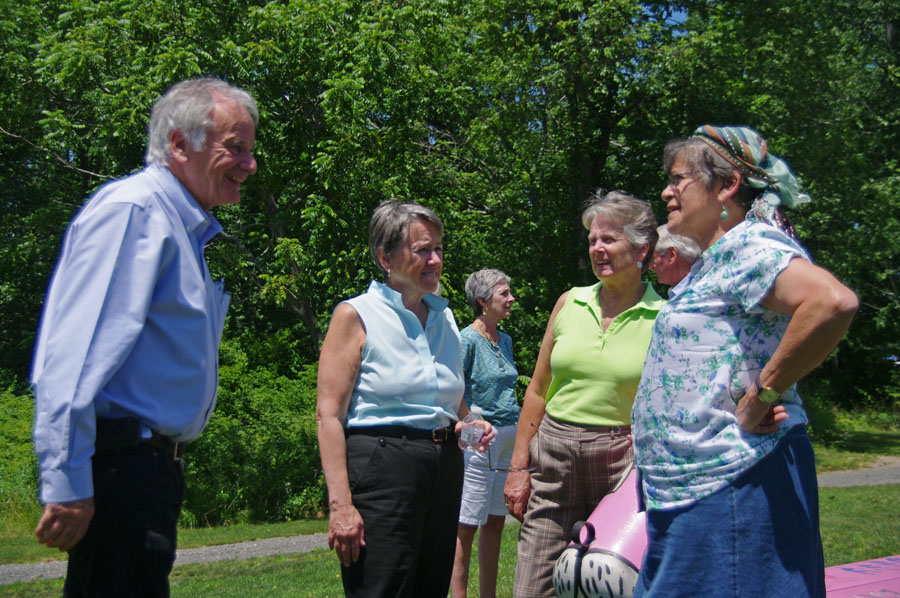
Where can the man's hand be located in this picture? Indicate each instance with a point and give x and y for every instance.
(62, 525)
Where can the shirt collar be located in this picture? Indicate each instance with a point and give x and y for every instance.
(650, 300)
(684, 282)
(395, 300)
(197, 221)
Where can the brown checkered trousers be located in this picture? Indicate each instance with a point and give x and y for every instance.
(576, 466)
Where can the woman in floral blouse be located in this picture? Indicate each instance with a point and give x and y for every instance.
(727, 471)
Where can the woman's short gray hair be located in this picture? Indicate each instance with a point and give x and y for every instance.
(389, 224)
(634, 216)
(709, 167)
(188, 106)
(481, 285)
(685, 246)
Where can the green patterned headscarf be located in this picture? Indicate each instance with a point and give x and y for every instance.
(747, 151)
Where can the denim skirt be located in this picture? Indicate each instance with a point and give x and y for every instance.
(757, 537)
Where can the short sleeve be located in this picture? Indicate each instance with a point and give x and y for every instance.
(754, 259)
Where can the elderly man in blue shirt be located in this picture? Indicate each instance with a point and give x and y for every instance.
(673, 258)
(126, 359)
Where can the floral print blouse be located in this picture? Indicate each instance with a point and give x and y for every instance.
(708, 345)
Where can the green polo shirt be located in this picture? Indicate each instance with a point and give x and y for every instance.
(595, 374)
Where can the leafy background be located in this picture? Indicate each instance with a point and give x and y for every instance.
(503, 116)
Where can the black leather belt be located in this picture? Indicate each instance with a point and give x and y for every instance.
(172, 449)
(128, 432)
(436, 435)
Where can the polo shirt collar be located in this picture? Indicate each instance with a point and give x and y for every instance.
(650, 300)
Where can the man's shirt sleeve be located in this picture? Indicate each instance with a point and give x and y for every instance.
(95, 309)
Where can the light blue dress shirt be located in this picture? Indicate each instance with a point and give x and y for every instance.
(408, 375)
(131, 326)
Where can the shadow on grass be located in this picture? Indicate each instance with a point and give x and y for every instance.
(854, 449)
(882, 443)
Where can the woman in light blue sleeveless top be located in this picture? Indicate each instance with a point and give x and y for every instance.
(390, 389)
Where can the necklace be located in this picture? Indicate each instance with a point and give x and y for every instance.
(483, 331)
(495, 344)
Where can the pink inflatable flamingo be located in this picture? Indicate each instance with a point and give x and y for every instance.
(606, 550)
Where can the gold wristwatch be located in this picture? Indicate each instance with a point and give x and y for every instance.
(766, 394)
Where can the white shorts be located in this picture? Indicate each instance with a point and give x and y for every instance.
(482, 488)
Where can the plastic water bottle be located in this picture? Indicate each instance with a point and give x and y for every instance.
(470, 436)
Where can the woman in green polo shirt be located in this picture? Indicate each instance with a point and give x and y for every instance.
(572, 438)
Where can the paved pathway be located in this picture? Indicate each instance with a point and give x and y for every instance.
(885, 471)
(184, 556)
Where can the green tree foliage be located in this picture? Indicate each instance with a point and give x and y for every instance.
(821, 80)
(258, 454)
(502, 116)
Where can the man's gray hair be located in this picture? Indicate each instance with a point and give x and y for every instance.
(481, 285)
(634, 215)
(685, 246)
(389, 225)
(188, 106)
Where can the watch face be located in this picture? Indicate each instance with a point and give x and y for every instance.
(769, 395)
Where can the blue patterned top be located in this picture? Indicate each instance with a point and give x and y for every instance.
(708, 345)
(490, 377)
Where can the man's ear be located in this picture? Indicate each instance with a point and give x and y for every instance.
(178, 146)
(671, 255)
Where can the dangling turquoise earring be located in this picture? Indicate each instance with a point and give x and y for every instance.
(724, 215)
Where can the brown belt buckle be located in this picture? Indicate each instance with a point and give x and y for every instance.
(440, 434)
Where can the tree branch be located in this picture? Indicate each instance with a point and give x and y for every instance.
(59, 158)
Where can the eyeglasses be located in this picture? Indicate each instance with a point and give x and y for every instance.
(675, 178)
(529, 469)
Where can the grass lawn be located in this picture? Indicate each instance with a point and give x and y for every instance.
(858, 523)
(857, 448)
